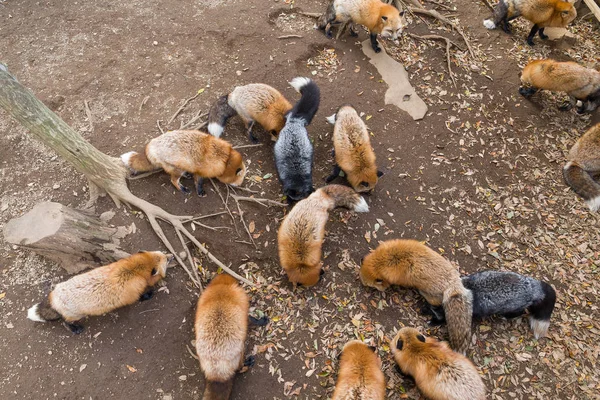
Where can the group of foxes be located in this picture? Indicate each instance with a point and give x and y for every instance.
(441, 371)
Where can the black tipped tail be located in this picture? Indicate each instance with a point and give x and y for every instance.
(218, 390)
(308, 105)
(218, 115)
(582, 183)
(542, 311)
(42, 312)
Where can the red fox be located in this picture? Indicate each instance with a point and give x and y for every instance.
(360, 376)
(103, 289)
(580, 83)
(221, 326)
(353, 152)
(301, 233)
(583, 164)
(185, 153)
(543, 14)
(255, 102)
(440, 373)
(411, 264)
(377, 16)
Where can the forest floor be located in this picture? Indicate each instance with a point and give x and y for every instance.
(479, 179)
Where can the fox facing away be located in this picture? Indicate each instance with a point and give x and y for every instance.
(255, 102)
(377, 16)
(543, 14)
(583, 166)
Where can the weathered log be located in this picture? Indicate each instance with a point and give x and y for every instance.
(75, 239)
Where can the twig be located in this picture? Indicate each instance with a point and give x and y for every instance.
(212, 228)
(144, 175)
(437, 15)
(241, 213)
(448, 44)
(310, 14)
(143, 103)
(243, 241)
(159, 127)
(202, 125)
(243, 189)
(145, 311)
(289, 36)
(204, 216)
(189, 255)
(487, 3)
(259, 201)
(183, 106)
(191, 352)
(194, 119)
(245, 146)
(225, 204)
(88, 112)
(442, 5)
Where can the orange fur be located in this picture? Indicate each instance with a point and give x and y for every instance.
(360, 376)
(107, 288)
(221, 327)
(261, 103)
(544, 13)
(440, 373)
(300, 236)
(194, 152)
(353, 151)
(569, 77)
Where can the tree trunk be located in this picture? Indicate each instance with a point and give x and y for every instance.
(74, 239)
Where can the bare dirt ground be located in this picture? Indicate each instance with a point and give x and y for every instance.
(479, 179)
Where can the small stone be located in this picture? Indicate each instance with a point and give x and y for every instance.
(183, 255)
(155, 43)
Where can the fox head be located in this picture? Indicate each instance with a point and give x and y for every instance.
(564, 14)
(235, 169)
(369, 274)
(392, 22)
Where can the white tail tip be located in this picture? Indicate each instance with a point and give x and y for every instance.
(33, 315)
(488, 23)
(331, 119)
(299, 82)
(539, 327)
(126, 158)
(594, 204)
(362, 205)
(215, 129)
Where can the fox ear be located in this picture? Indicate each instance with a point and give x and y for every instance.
(154, 271)
(399, 344)
(402, 13)
(373, 348)
(565, 14)
(421, 338)
(379, 174)
(383, 17)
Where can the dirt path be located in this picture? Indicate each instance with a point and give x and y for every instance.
(478, 178)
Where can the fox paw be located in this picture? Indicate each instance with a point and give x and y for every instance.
(249, 361)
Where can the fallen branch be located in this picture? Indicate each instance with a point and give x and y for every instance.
(487, 3)
(185, 103)
(204, 216)
(245, 146)
(225, 204)
(437, 15)
(259, 201)
(310, 14)
(448, 44)
(88, 112)
(192, 120)
(289, 36)
(159, 127)
(212, 228)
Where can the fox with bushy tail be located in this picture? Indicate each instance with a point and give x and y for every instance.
(584, 162)
(293, 149)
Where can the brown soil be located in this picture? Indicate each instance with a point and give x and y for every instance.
(479, 179)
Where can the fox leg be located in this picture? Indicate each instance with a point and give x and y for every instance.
(374, 43)
(527, 92)
(249, 127)
(175, 181)
(567, 104)
(353, 32)
(249, 361)
(199, 182)
(326, 19)
(74, 327)
(534, 30)
(334, 174)
(542, 34)
(258, 322)
(513, 314)
(147, 295)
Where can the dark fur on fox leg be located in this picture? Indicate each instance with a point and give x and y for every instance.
(543, 36)
(200, 187)
(374, 43)
(534, 30)
(251, 136)
(527, 92)
(334, 174)
(263, 321)
(75, 328)
(249, 361)
(566, 105)
(147, 295)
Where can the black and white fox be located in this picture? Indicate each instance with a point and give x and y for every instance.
(293, 149)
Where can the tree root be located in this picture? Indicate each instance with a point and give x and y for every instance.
(448, 44)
